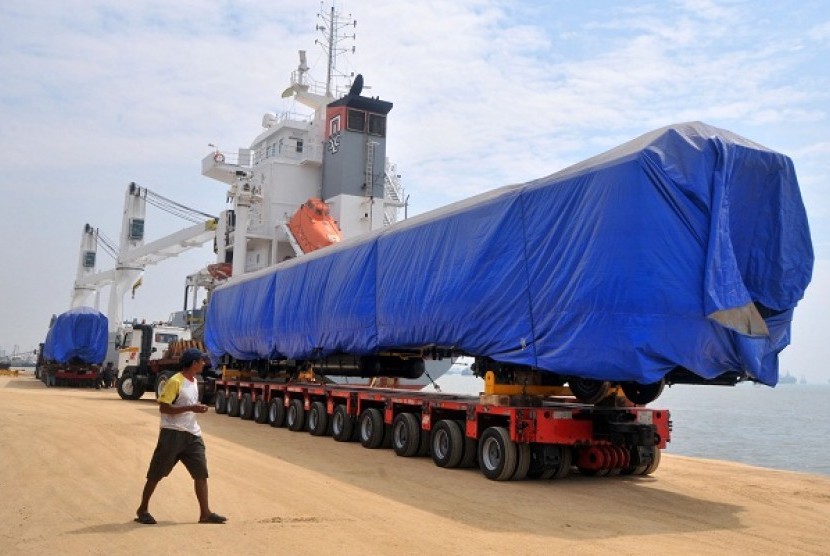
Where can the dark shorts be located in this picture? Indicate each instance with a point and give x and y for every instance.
(175, 446)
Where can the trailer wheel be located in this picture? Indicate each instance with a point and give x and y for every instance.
(318, 419)
(522, 462)
(642, 394)
(447, 443)
(550, 461)
(260, 411)
(497, 454)
(406, 435)
(220, 403)
(276, 412)
(588, 390)
(371, 428)
(655, 463)
(342, 424)
(295, 418)
(425, 445)
(233, 404)
(469, 459)
(246, 407)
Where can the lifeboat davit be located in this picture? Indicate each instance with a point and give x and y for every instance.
(313, 227)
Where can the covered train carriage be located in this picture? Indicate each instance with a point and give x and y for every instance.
(677, 257)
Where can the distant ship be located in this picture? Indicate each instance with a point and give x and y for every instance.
(787, 379)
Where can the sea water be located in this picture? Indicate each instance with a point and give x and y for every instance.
(786, 427)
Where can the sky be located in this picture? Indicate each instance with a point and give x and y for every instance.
(97, 94)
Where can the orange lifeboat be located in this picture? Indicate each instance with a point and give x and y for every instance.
(313, 227)
(220, 271)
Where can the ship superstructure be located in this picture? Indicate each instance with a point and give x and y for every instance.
(336, 154)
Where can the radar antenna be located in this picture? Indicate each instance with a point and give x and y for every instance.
(331, 28)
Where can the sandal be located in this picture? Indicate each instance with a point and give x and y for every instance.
(214, 518)
(145, 518)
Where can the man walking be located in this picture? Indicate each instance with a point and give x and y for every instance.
(180, 439)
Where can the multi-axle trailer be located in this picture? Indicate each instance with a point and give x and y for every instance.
(507, 437)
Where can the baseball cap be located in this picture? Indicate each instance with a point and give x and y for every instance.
(189, 356)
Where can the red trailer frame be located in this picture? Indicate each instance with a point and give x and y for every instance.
(544, 438)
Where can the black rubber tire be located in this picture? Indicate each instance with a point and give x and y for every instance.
(589, 391)
(276, 412)
(655, 463)
(447, 443)
(372, 428)
(295, 417)
(129, 388)
(497, 454)
(233, 405)
(643, 394)
(470, 457)
(246, 407)
(406, 435)
(220, 403)
(426, 444)
(161, 382)
(318, 419)
(342, 424)
(522, 462)
(260, 411)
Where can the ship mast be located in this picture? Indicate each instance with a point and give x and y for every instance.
(332, 29)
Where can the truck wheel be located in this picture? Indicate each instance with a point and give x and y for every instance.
(220, 403)
(371, 428)
(246, 407)
(497, 454)
(588, 390)
(260, 411)
(342, 424)
(406, 435)
(276, 412)
(318, 419)
(470, 448)
(161, 382)
(128, 387)
(296, 415)
(447, 443)
(642, 394)
(233, 404)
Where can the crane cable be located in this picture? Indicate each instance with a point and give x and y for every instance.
(176, 209)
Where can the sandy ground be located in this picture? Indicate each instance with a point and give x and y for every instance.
(72, 465)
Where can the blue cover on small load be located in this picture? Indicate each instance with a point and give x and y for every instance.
(78, 333)
(688, 246)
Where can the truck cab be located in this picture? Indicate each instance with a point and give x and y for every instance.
(132, 339)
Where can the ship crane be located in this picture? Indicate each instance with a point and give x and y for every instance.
(132, 255)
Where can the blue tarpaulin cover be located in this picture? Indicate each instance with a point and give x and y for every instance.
(688, 246)
(78, 333)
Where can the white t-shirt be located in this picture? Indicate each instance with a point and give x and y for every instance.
(179, 392)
